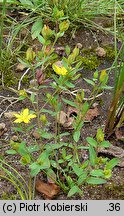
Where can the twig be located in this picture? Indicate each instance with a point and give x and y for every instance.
(19, 84)
(10, 99)
(85, 99)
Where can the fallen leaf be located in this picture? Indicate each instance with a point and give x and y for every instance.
(91, 114)
(20, 67)
(48, 190)
(65, 120)
(36, 135)
(113, 151)
(100, 52)
(14, 138)
(61, 117)
(2, 126)
(3, 129)
(10, 115)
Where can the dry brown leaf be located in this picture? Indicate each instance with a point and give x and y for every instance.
(66, 120)
(68, 123)
(48, 190)
(10, 115)
(20, 67)
(3, 129)
(36, 135)
(61, 117)
(91, 114)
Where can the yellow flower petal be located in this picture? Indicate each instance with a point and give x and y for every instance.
(18, 120)
(60, 70)
(16, 115)
(32, 116)
(26, 121)
(25, 112)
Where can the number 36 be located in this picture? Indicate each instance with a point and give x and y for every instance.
(114, 206)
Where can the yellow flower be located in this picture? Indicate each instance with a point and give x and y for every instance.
(59, 69)
(24, 116)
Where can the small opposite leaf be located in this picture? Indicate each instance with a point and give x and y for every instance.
(12, 152)
(73, 190)
(112, 163)
(76, 136)
(91, 141)
(95, 180)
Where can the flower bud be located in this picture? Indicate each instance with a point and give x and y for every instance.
(46, 32)
(30, 55)
(63, 26)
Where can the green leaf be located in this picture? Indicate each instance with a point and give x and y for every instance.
(85, 164)
(26, 64)
(63, 134)
(112, 163)
(92, 155)
(48, 111)
(97, 173)
(11, 152)
(76, 77)
(106, 87)
(92, 141)
(78, 171)
(54, 164)
(82, 178)
(69, 84)
(67, 50)
(18, 129)
(25, 159)
(33, 148)
(51, 176)
(41, 39)
(85, 108)
(76, 136)
(95, 180)
(22, 150)
(99, 135)
(69, 102)
(89, 82)
(51, 147)
(68, 157)
(46, 135)
(35, 168)
(105, 144)
(32, 97)
(73, 190)
(21, 97)
(36, 28)
(43, 160)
